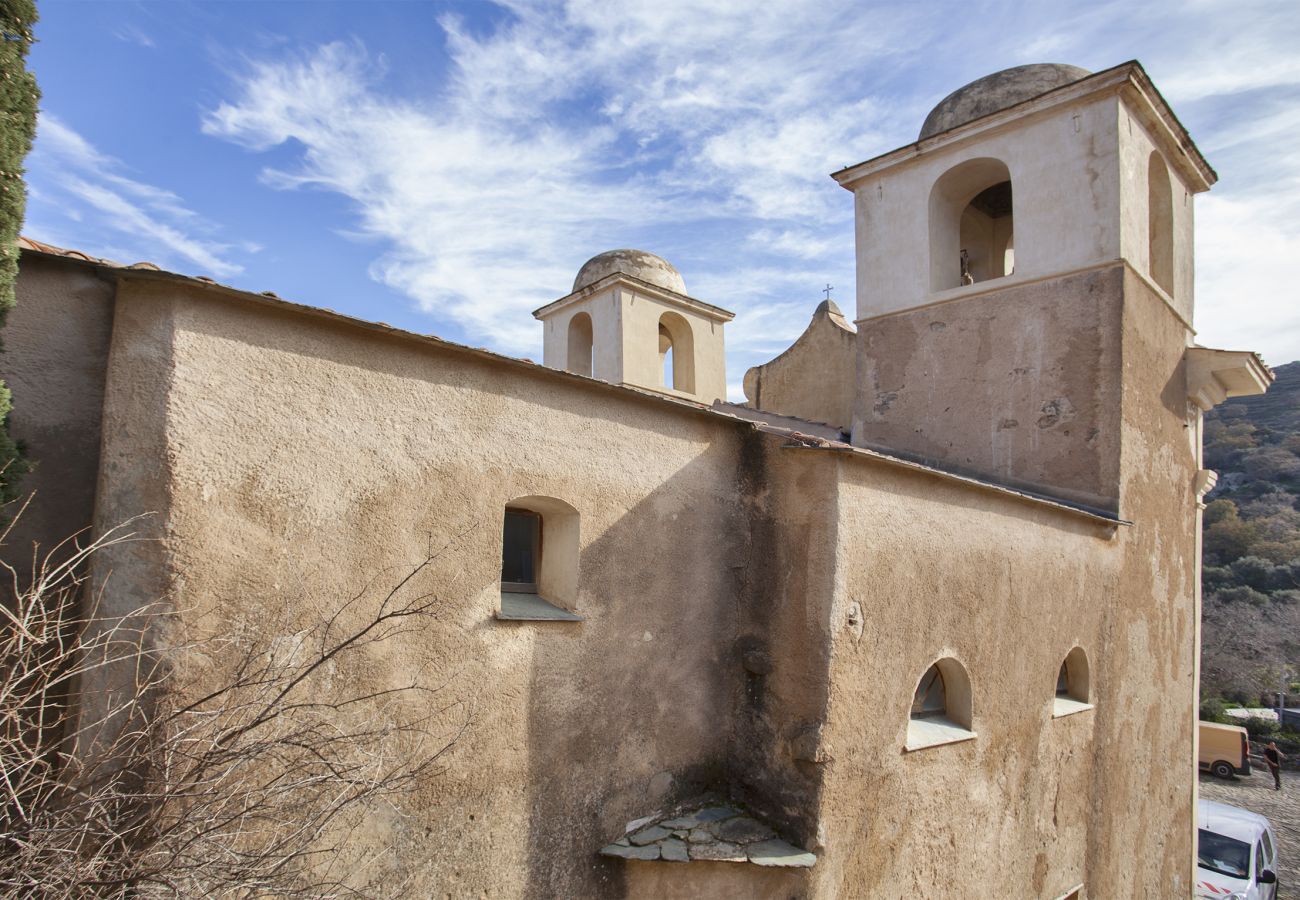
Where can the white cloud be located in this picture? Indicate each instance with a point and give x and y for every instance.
(703, 131)
(568, 130)
(87, 187)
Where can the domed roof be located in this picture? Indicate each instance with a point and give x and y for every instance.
(645, 266)
(998, 91)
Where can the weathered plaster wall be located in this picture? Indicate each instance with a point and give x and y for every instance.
(55, 360)
(659, 881)
(1016, 384)
(1154, 622)
(1008, 591)
(641, 312)
(606, 311)
(1103, 797)
(1136, 144)
(1063, 168)
(815, 378)
(784, 596)
(756, 615)
(307, 459)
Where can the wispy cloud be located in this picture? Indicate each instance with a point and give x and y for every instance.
(88, 188)
(701, 131)
(566, 131)
(132, 34)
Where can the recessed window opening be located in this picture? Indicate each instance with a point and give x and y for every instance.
(931, 699)
(941, 707)
(665, 357)
(539, 560)
(521, 551)
(972, 224)
(1160, 223)
(987, 249)
(581, 345)
(676, 353)
(1072, 685)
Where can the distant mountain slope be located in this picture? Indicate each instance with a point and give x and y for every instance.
(1251, 623)
(1278, 408)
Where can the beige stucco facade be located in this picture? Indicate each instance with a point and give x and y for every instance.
(758, 599)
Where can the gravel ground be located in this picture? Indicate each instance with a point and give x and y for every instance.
(1255, 793)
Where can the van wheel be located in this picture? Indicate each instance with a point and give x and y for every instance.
(1222, 769)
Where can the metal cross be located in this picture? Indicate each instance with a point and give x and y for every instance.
(827, 290)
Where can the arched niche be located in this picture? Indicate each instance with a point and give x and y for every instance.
(677, 353)
(972, 224)
(941, 711)
(580, 345)
(1073, 684)
(1160, 223)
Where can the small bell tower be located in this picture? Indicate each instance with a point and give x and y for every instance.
(628, 320)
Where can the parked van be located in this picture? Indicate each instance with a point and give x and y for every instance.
(1235, 853)
(1225, 749)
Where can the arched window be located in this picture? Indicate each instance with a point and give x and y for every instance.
(972, 232)
(1160, 223)
(539, 560)
(580, 344)
(1072, 685)
(677, 353)
(941, 706)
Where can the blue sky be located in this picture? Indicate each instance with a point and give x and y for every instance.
(447, 167)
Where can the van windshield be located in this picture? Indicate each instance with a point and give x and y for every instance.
(1223, 854)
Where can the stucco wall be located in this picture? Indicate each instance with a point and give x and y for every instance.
(756, 615)
(1008, 592)
(815, 378)
(1063, 166)
(1017, 384)
(308, 459)
(55, 359)
(641, 313)
(1102, 797)
(1136, 144)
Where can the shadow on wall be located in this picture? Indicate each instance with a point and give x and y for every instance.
(668, 688)
(632, 708)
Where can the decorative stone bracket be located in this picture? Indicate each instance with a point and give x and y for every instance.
(1215, 375)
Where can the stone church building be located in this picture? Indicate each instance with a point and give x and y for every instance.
(917, 619)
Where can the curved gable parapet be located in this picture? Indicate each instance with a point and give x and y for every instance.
(814, 378)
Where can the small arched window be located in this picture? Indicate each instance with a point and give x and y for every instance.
(1072, 685)
(539, 560)
(972, 224)
(676, 353)
(1160, 223)
(941, 707)
(581, 345)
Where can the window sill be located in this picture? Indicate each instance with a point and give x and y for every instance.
(1064, 706)
(923, 733)
(531, 608)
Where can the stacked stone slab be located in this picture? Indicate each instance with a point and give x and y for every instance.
(715, 833)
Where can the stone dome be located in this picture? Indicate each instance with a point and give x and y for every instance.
(987, 95)
(645, 266)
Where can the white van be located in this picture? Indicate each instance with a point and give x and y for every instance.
(1235, 854)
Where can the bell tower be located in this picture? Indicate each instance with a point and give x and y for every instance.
(628, 320)
(1004, 260)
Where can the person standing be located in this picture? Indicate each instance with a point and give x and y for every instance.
(1274, 757)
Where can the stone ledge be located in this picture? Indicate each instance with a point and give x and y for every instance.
(713, 833)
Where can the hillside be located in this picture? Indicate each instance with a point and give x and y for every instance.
(1251, 620)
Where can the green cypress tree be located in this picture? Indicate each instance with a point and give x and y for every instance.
(18, 99)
